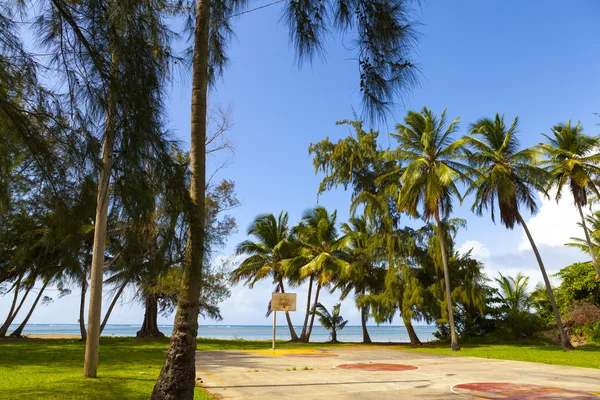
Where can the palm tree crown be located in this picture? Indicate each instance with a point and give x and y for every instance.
(266, 253)
(433, 165)
(504, 174)
(573, 161)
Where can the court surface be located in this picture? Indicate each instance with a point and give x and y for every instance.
(367, 373)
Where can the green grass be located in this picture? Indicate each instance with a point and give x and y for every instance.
(587, 356)
(53, 368)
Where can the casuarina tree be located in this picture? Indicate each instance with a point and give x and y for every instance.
(384, 39)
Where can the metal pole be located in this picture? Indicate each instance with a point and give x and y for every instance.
(274, 327)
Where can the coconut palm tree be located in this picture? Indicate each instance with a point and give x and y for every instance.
(320, 257)
(573, 162)
(432, 169)
(364, 255)
(265, 255)
(333, 321)
(593, 224)
(508, 177)
(513, 291)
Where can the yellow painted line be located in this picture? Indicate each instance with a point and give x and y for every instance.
(284, 352)
(220, 382)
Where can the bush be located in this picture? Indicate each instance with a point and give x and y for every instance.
(520, 325)
(595, 333)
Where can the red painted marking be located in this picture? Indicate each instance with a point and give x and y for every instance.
(377, 367)
(518, 391)
(313, 355)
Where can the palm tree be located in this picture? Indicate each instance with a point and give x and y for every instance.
(513, 291)
(432, 168)
(508, 177)
(573, 161)
(333, 321)
(320, 257)
(593, 221)
(265, 255)
(365, 276)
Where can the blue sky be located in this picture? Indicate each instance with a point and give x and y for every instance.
(534, 59)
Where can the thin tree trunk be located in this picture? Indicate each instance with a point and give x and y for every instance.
(363, 322)
(9, 321)
(19, 330)
(412, 335)
(453, 337)
(566, 343)
(90, 365)
(287, 317)
(333, 335)
(313, 313)
(305, 326)
(178, 375)
(150, 325)
(589, 240)
(16, 287)
(112, 305)
(82, 302)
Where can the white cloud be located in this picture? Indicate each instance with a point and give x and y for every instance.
(554, 224)
(478, 250)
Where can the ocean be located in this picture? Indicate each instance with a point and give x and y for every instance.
(383, 333)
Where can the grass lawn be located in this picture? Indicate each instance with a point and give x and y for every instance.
(53, 368)
(587, 356)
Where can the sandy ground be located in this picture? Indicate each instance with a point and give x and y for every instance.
(52, 336)
(266, 375)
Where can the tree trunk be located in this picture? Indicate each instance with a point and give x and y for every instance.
(16, 287)
(287, 317)
(82, 302)
(314, 312)
(19, 330)
(363, 322)
(589, 240)
(112, 305)
(305, 326)
(9, 321)
(150, 326)
(453, 337)
(178, 375)
(333, 335)
(90, 365)
(412, 335)
(566, 343)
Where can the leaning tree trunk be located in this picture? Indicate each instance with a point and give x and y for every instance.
(178, 375)
(412, 335)
(112, 305)
(307, 315)
(150, 325)
(12, 317)
(564, 339)
(16, 287)
(313, 312)
(363, 322)
(19, 330)
(589, 240)
(90, 366)
(453, 337)
(287, 317)
(82, 302)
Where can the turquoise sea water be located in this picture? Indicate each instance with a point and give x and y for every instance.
(387, 333)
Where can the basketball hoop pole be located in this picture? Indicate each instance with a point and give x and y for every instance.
(274, 327)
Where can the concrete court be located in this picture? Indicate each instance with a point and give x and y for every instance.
(266, 374)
